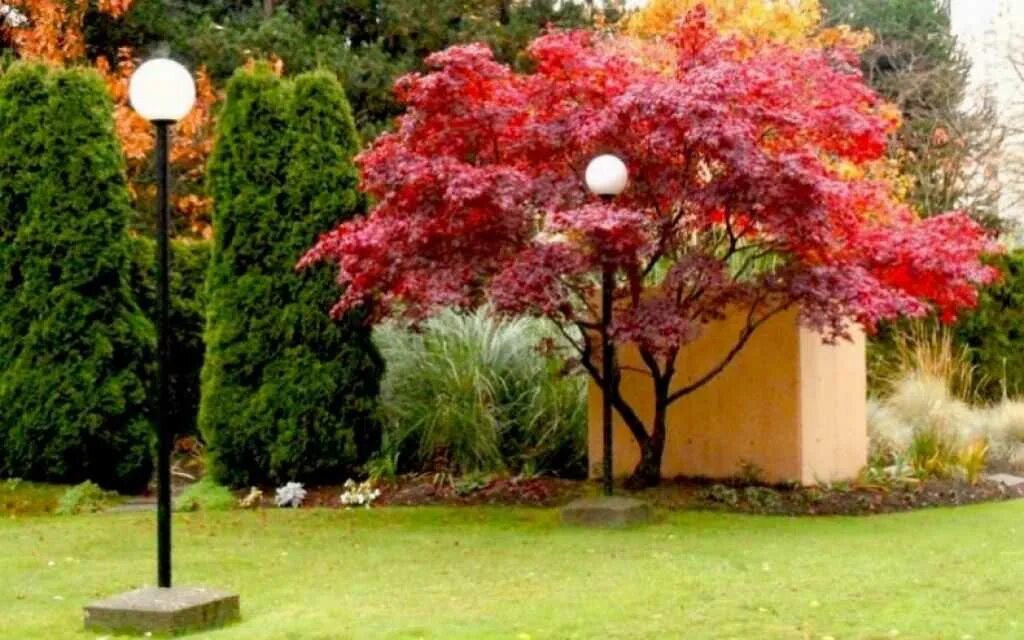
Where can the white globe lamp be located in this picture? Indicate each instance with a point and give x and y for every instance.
(607, 176)
(162, 90)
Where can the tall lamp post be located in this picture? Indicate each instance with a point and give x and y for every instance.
(162, 91)
(606, 177)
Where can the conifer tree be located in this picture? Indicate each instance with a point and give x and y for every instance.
(73, 401)
(287, 393)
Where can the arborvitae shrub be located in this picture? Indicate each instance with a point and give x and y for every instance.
(73, 402)
(287, 393)
(24, 92)
(994, 331)
(190, 260)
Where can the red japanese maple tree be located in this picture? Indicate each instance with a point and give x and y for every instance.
(750, 187)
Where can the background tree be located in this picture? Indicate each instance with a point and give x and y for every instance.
(51, 30)
(190, 259)
(72, 398)
(65, 32)
(367, 43)
(944, 147)
(288, 393)
(796, 23)
(739, 198)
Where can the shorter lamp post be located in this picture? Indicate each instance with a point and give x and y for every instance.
(606, 177)
(162, 91)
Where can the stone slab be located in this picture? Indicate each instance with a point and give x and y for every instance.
(1005, 479)
(163, 611)
(606, 511)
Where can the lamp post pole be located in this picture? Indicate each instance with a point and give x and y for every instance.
(606, 177)
(165, 431)
(163, 92)
(607, 373)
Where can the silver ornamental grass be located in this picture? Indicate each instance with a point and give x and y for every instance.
(290, 495)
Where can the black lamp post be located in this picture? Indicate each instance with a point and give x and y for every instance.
(162, 91)
(606, 177)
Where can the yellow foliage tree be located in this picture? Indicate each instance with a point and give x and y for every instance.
(791, 22)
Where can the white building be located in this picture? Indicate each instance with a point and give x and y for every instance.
(992, 34)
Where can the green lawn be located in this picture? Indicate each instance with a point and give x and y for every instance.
(517, 574)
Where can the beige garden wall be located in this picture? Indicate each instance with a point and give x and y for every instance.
(788, 404)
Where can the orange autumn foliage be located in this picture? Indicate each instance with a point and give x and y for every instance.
(191, 142)
(51, 32)
(53, 28)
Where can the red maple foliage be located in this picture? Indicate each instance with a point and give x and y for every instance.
(737, 198)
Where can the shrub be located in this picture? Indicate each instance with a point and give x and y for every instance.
(206, 495)
(287, 392)
(189, 261)
(86, 497)
(73, 404)
(473, 393)
(19, 498)
(763, 499)
(721, 494)
(994, 331)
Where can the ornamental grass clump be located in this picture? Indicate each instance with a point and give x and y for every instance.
(206, 495)
(472, 392)
(925, 425)
(86, 497)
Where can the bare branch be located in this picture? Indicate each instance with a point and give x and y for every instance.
(741, 341)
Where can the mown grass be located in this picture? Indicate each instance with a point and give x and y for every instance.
(519, 574)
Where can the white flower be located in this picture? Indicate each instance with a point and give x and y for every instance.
(290, 495)
(12, 17)
(362, 494)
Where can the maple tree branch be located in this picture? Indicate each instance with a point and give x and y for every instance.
(652, 363)
(569, 339)
(629, 416)
(741, 341)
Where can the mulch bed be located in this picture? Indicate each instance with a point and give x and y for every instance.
(432, 489)
(835, 500)
(682, 494)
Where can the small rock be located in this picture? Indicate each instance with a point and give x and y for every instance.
(1005, 479)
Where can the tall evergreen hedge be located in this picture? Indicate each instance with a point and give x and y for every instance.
(190, 260)
(73, 403)
(287, 393)
(994, 331)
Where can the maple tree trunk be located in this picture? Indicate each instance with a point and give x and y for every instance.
(647, 472)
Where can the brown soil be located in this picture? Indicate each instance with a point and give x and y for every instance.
(431, 489)
(682, 494)
(835, 500)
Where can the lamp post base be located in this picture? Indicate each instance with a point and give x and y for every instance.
(162, 611)
(606, 511)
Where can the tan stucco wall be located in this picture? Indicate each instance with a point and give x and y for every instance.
(788, 404)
